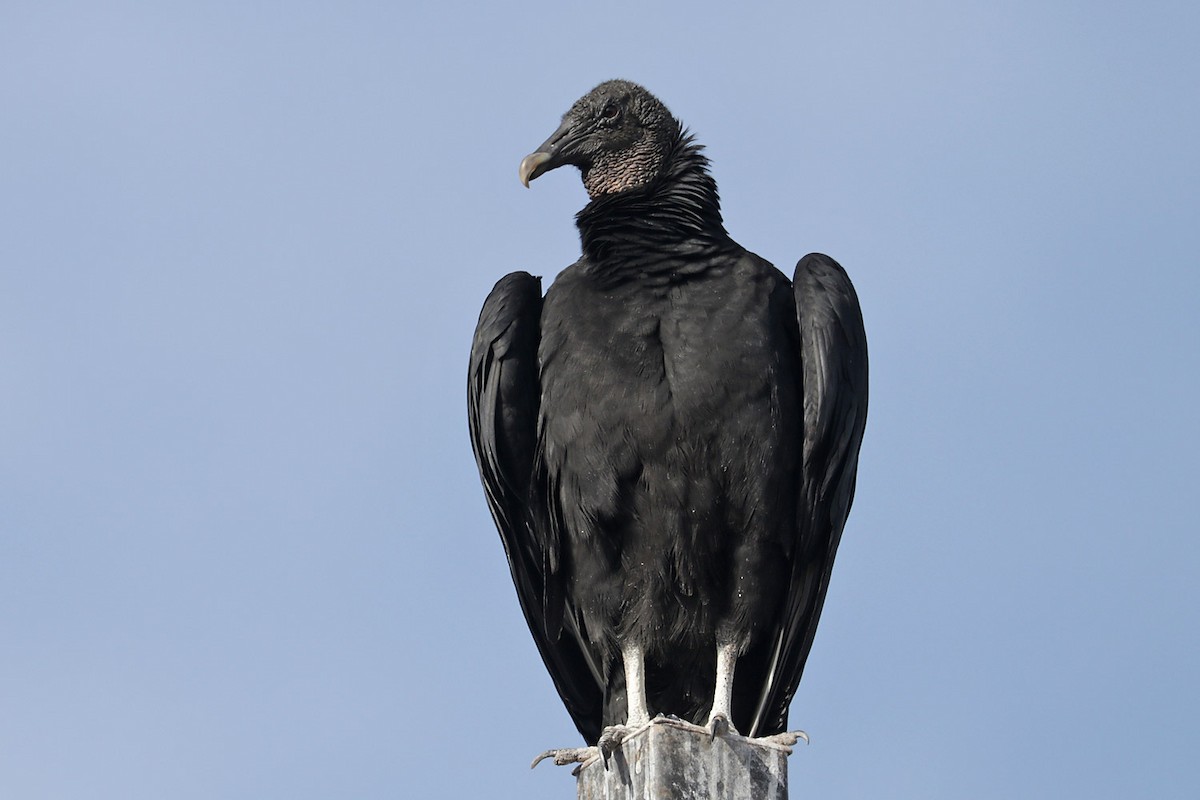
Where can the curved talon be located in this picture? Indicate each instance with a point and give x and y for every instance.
(614, 736)
(719, 725)
(609, 741)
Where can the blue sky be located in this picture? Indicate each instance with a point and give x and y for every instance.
(243, 549)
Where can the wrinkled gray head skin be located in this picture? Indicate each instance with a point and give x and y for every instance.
(618, 134)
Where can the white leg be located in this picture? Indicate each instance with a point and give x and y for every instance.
(634, 658)
(720, 720)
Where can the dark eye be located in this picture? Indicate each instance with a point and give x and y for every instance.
(610, 112)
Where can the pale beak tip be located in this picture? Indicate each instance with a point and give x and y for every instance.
(533, 165)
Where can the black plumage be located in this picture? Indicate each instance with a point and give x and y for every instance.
(668, 439)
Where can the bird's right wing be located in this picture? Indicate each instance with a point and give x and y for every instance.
(503, 395)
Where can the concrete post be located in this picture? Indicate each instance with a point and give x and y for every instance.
(668, 761)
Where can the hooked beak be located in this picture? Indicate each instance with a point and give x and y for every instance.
(533, 165)
(553, 153)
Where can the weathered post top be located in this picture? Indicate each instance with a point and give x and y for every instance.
(678, 761)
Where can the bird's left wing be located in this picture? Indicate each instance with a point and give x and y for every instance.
(833, 357)
(502, 409)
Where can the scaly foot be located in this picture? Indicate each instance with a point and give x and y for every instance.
(609, 742)
(568, 755)
(787, 739)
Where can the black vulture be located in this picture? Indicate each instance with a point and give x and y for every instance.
(668, 440)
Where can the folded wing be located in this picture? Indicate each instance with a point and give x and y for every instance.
(503, 395)
(833, 355)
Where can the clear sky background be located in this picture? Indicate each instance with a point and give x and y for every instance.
(243, 548)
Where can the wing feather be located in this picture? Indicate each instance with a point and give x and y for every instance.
(503, 394)
(833, 354)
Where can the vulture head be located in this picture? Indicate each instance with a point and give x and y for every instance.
(618, 134)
